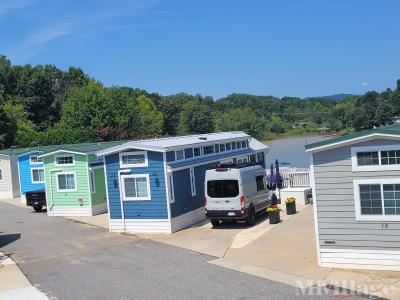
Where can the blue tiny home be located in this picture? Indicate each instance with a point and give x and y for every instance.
(31, 171)
(158, 185)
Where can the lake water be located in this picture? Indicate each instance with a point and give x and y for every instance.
(291, 150)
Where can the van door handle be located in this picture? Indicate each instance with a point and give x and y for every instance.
(227, 201)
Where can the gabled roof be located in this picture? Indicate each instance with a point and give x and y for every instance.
(45, 150)
(171, 143)
(384, 131)
(86, 148)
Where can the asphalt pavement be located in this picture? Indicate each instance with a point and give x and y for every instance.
(69, 260)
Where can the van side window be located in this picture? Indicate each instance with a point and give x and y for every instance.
(260, 183)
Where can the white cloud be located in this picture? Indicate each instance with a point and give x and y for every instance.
(46, 35)
(8, 6)
(364, 83)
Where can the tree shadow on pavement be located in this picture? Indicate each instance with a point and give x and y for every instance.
(6, 239)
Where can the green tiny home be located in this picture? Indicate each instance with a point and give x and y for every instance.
(75, 181)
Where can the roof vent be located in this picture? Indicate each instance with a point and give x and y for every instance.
(202, 138)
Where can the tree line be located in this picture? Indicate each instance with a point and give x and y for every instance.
(42, 105)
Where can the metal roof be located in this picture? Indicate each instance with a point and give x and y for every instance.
(390, 130)
(169, 143)
(81, 148)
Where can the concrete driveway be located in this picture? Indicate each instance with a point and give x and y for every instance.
(284, 252)
(217, 241)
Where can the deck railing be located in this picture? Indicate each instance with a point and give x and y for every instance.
(295, 178)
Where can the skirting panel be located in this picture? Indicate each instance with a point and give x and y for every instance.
(361, 259)
(69, 211)
(99, 209)
(188, 219)
(140, 226)
(6, 195)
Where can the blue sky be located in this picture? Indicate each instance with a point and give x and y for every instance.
(281, 48)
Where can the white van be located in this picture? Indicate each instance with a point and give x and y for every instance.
(235, 193)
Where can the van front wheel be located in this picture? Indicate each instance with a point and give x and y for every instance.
(251, 219)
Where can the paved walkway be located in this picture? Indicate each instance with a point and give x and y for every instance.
(13, 283)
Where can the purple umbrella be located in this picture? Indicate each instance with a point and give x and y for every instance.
(271, 177)
(278, 177)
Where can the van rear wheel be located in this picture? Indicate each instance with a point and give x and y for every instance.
(214, 222)
(251, 218)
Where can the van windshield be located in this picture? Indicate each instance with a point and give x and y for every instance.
(222, 188)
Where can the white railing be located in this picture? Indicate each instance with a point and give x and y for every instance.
(295, 177)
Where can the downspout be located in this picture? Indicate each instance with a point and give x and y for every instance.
(120, 172)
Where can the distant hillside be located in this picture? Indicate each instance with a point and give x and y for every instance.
(336, 97)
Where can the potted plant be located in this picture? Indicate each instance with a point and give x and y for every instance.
(274, 214)
(290, 206)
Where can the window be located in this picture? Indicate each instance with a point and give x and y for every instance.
(179, 154)
(208, 150)
(64, 159)
(36, 160)
(92, 182)
(228, 146)
(375, 158)
(222, 188)
(1, 175)
(260, 183)
(390, 157)
(133, 159)
(192, 182)
(136, 187)
(377, 199)
(66, 182)
(221, 147)
(37, 175)
(226, 161)
(244, 144)
(171, 188)
(242, 159)
(238, 145)
(197, 151)
(367, 158)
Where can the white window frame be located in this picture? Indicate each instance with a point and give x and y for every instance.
(35, 182)
(380, 181)
(192, 181)
(35, 163)
(379, 167)
(1, 173)
(122, 189)
(66, 190)
(210, 145)
(226, 161)
(145, 164)
(171, 188)
(243, 157)
(64, 155)
(201, 151)
(92, 182)
(180, 150)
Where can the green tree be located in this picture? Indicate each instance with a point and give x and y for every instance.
(195, 118)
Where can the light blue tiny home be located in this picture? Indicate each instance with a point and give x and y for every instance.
(158, 185)
(31, 171)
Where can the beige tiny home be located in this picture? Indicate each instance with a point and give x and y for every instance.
(9, 179)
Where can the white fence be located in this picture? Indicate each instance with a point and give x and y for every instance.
(295, 178)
